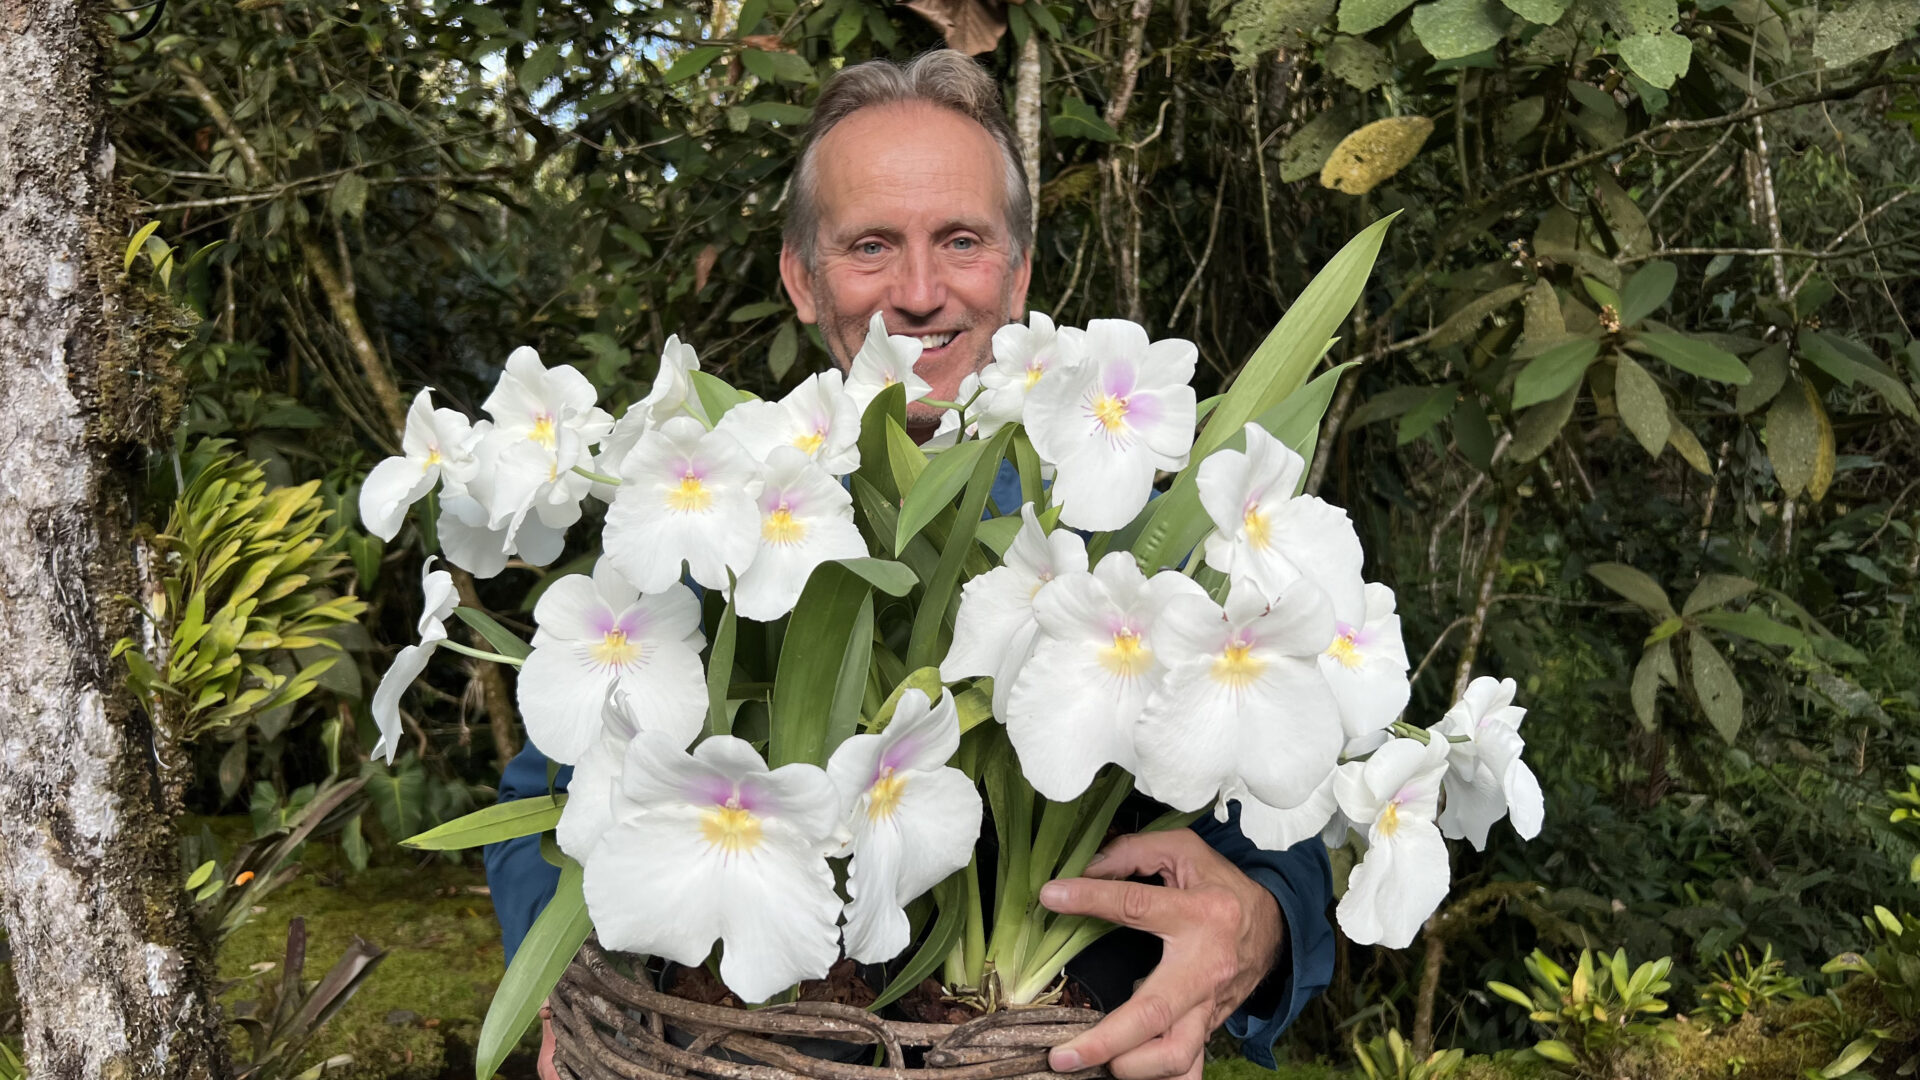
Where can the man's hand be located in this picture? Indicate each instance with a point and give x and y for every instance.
(1221, 931)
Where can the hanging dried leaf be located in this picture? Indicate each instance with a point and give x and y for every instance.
(970, 26)
(1366, 158)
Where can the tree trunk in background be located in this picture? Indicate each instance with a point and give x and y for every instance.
(1026, 120)
(112, 979)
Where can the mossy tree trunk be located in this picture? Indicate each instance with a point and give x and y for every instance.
(112, 980)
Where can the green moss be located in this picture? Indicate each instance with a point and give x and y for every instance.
(1242, 1069)
(443, 961)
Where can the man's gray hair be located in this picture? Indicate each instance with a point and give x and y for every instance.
(943, 78)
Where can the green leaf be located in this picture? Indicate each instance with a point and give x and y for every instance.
(1716, 590)
(1852, 1056)
(1473, 434)
(1770, 368)
(1281, 364)
(1631, 233)
(1254, 28)
(1425, 416)
(1857, 30)
(888, 406)
(1655, 663)
(200, 875)
(1361, 16)
(1800, 441)
(1555, 1050)
(1646, 291)
(1518, 120)
(1511, 993)
(538, 68)
(759, 310)
(1461, 324)
(720, 668)
(1693, 356)
(1078, 120)
(820, 640)
(1661, 57)
(398, 794)
(1358, 62)
(134, 245)
(1454, 28)
(556, 936)
(847, 25)
(892, 578)
(692, 63)
(1714, 684)
(785, 350)
(1544, 12)
(1539, 426)
(1554, 372)
(501, 821)
(1634, 585)
(1643, 408)
(778, 65)
(779, 112)
(936, 487)
(1852, 363)
(1755, 627)
(715, 394)
(504, 641)
(923, 646)
(1306, 151)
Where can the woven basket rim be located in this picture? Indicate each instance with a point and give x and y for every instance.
(608, 1025)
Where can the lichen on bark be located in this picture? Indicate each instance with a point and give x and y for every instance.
(112, 980)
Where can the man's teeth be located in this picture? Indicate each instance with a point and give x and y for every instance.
(935, 341)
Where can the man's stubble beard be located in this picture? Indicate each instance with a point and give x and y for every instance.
(843, 334)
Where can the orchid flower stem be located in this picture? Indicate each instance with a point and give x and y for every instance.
(976, 937)
(1041, 975)
(939, 404)
(1406, 730)
(598, 478)
(467, 650)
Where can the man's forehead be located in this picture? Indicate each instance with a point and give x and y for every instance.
(886, 162)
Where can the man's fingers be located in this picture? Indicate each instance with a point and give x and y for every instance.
(1153, 908)
(1177, 1053)
(1140, 854)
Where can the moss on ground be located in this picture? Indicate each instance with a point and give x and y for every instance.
(418, 1016)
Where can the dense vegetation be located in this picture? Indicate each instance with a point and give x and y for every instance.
(1632, 419)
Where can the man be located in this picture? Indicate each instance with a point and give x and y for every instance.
(910, 199)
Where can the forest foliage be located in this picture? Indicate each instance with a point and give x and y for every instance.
(1633, 417)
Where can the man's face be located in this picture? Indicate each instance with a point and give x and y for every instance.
(913, 224)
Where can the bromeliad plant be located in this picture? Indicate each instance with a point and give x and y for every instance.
(809, 639)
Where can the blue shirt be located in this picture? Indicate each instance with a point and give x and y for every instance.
(1300, 879)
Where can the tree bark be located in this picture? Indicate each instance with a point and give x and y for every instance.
(113, 981)
(1026, 121)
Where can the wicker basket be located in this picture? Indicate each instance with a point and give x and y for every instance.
(610, 1027)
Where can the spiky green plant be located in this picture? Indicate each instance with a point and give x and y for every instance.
(244, 571)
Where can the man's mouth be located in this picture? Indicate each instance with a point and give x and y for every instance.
(937, 341)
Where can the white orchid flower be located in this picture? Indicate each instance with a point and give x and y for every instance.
(1270, 538)
(914, 819)
(806, 518)
(883, 360)
(1278, 828)
(994, 628)
(1077, 697)
(1394, 796)
(1243, 704)
(597, 633)
(438, 599)
(534, 402)
(1366, 665)
(492, 517)
(588, 813)
(686, 495)
(818, 418)
(1022, 357)
(713, 845)
(1486, 780)
(1110, 423)
(436, 442)
(616, 446)
(672, 393)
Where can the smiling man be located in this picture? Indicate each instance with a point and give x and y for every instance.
(909, 199)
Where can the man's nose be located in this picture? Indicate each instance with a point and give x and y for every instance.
(920, 291)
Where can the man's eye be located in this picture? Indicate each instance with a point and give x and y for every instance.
(871, 247)
(965, 243)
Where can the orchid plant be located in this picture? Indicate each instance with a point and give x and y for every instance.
(813, 658)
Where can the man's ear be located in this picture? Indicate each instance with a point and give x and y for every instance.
(799, 282)
(1017, 299)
